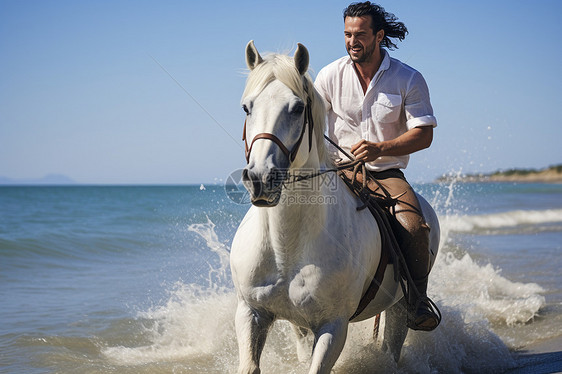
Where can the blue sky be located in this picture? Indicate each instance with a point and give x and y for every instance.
(83, 92)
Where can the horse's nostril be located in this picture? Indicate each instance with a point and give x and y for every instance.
(252, 182)
(275, 177)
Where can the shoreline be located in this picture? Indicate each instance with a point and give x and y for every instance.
(551, 175)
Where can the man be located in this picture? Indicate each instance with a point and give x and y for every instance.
(379, 110)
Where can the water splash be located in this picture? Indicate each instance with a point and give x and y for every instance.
(219, 276)
(195, 325)
(481, 293)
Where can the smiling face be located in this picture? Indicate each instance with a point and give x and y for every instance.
(361, 43)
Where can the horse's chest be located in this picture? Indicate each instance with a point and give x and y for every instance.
(290, 296)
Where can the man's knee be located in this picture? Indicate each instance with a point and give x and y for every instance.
(414, 230)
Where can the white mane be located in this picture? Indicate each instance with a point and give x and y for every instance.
(282, 67)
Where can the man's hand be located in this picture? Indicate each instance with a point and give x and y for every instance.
(411, 141)
(366, 151)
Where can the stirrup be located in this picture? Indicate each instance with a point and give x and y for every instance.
(429, 313)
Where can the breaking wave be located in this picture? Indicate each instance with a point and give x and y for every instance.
(541, 220)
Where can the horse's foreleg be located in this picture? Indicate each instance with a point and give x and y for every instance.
(251, 332)
(328, 344)
(304, 346)
(395, 329)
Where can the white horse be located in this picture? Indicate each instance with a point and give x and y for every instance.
(303, 252)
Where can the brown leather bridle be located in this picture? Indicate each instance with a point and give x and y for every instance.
(290, 154)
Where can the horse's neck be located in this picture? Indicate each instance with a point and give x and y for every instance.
(303, 203)
(300, 217)
(291, 227)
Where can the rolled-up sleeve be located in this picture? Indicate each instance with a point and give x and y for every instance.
(417, 104)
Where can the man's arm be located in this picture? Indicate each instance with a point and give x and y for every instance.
(411, 141)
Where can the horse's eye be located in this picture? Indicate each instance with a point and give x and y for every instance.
(245, 108)
(297, 108)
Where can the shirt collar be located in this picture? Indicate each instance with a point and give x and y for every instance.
(385, 64)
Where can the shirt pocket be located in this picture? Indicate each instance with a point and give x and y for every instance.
(387, 107)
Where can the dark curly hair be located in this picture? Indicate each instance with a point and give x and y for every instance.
(381, 20)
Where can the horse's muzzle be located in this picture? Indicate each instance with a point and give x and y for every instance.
(264, 188)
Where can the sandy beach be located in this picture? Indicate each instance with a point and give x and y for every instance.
(551, 174)
(542, 176)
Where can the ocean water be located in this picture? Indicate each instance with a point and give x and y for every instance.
(130, 279)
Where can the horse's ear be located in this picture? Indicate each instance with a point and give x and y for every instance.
(253, 57)
(301, 59)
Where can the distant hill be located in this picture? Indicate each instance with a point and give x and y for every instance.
(552, 174)
(49, 179)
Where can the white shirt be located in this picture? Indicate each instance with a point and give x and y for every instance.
(396, 101)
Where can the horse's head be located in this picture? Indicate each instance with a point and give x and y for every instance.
(281, 108)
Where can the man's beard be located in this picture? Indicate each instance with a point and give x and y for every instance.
(366, 56)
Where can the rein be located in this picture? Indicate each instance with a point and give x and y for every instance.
(342, 166)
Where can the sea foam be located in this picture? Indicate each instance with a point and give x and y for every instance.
(509, 219)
